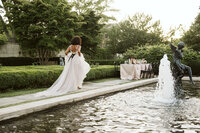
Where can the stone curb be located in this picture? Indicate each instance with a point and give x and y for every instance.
(194, 79)
(27, 108)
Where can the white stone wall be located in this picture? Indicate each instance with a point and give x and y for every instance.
(10, 50)
(13, 50)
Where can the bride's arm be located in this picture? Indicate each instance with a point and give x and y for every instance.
(79, 50)
(67, 51)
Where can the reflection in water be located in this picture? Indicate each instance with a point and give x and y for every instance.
(130, 111)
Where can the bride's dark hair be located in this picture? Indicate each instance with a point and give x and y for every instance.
(76, 40)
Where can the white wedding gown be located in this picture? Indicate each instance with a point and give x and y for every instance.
(72, 76)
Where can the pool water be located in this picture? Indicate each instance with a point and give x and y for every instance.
(132, 111)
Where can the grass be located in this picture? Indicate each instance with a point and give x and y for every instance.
(12, 93)
(40, 67)
(22, 68)
(104, 80)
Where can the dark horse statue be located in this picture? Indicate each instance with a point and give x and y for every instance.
(179, 69)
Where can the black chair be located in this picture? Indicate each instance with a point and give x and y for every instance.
(117, 66)
(155, 68)
(147, 72)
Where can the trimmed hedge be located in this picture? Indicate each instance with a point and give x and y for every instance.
(42, 76)
(16, 61)
(23, 61)
(105, 62)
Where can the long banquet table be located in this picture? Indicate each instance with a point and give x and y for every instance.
(132, 71)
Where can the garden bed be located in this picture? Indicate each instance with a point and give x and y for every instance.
(20, 77)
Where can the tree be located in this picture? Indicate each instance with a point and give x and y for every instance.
(112, 32)
(171, 36)
(90, 30)
(99, 7)
(3, 38)
(42, 26)
(4, 23)
(136, 31)
(192, 36)
(93, 20)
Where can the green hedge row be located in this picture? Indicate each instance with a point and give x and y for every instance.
(106, 62)
(22, 61)
(42, 76)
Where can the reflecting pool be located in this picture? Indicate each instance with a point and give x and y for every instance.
(132, 111)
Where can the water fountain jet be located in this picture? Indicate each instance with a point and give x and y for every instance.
(165, 86)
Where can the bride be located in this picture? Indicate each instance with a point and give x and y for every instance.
(74, 71)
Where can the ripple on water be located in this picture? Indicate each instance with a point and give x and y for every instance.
(129, 111)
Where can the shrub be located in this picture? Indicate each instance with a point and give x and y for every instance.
(16, 61)
(101, 72)
(154, 53)
(105, 62)
(102, 53)
(22, 61)
(42, 76)
(3, 39)
(192, 59)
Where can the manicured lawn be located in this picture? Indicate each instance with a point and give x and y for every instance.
(12, 93)
(23, 68)
(40, 67)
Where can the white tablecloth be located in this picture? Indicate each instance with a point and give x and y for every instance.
(132, 71)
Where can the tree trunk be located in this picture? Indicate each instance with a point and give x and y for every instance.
(5, 29)
(43, 56)
(11, 38)
(14, 38)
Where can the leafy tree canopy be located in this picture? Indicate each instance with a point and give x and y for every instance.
(138, 30)
(43, 26)
(192, 36)
(90, 31)
(99, 7)
(93, 18)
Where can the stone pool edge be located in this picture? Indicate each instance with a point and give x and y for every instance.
(35, 106)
